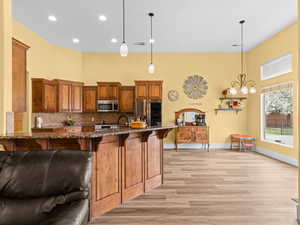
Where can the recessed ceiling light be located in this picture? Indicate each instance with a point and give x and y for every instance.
(75, 40)
(152, 40)
(52, 18)
(102, 18)
(114, 40)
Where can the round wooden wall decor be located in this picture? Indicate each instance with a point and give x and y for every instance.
(173, 95)
(195, 87)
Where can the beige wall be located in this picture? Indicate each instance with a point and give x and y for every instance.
(284, 42)
(46, 60)
(173, 68)
(50, 61)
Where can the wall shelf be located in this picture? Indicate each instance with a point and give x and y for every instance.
(223, 109)
(233, 98)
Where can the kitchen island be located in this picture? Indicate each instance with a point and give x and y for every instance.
(127, 162)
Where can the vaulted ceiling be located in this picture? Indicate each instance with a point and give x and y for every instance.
(179, 26)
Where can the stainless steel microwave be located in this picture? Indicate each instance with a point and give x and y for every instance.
(107, 106)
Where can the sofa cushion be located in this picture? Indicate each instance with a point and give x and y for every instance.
(37, 174)
(36, 211)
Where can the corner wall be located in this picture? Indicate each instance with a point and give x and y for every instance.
(284, 42)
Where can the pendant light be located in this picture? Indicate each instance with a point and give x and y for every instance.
(151, 67)
(124, 47)
(245, 86)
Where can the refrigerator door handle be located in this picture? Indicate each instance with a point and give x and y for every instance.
(149, 114)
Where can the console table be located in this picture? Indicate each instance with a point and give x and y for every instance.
(192, 131)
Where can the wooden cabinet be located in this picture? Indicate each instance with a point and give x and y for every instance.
(184, 134)
(44, 95)
(108, 90)
(192, 134)
(127, 99)
(76, 97)
(141, 89)
(90, 99)
(19, 76)
(69, 96)
(155, 90)
(188, 132)
(64, 96)
(149, 89)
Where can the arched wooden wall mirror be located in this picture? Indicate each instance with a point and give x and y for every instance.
(190, 117)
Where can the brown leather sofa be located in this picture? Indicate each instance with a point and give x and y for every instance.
(45, 187)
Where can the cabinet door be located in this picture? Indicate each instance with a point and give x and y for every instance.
(127, 99)
(133, 168)
(64, 97)
(155, 91)
(184, 135)
(153, 162)
(76, 98)
(115, 92)
(200, 134)
(50, 98)
(105, 92)
(141, 90)
(89, 99)
(19, 76)
(106, 182)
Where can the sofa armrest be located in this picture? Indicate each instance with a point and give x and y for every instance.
(74, 213)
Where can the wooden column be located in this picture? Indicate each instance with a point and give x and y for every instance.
(5, 62)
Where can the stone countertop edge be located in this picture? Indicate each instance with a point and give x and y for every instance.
(95, 134)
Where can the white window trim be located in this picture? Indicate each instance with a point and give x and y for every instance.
(276, 74)
(262, 124)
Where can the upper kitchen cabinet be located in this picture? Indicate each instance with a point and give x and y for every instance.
(69, 96)
(44, 95)
(76, 97)
(148, 89)
(90, 99)
(141, 89)
(155, 89)
(127, 99)
(108, 90)
(19, 76)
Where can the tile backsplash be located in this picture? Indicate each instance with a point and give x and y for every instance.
(57, 119)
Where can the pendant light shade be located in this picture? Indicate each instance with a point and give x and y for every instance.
(151, 67)
(124, 47)
(124, 50)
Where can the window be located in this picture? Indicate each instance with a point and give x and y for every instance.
(277, 67)
(277, 114)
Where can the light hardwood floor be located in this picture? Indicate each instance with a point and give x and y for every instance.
(221, 187)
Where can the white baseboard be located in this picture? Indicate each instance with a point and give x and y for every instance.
(196, 146)
(280, 157)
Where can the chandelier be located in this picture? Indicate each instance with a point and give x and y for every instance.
(241, 84)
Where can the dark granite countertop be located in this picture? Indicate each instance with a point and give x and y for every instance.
(95, 134)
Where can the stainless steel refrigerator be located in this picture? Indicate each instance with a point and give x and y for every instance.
(149, 110)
